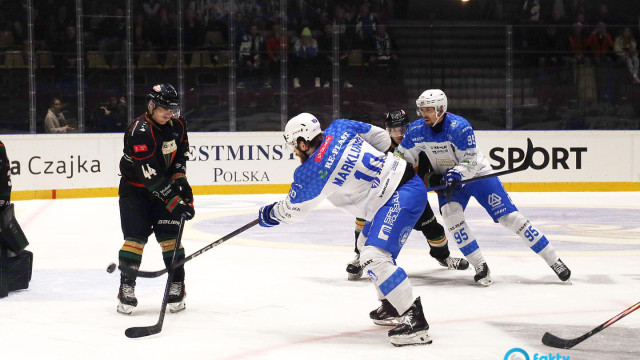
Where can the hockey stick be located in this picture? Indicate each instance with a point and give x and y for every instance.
(153, 274)
(140, 331)
(526, 163)
(554, 341)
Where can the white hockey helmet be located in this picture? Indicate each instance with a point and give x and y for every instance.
(302, 125)
(434, 98)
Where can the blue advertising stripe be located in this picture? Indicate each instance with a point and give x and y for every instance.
(469, 248)
(393, 281)
(541, 244)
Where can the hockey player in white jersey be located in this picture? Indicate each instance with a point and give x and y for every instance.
(450, 144)
(347, 165)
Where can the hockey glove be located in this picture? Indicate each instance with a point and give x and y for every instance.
(180, 185)
(179, 207)
(452, 179)
(433, 180)
(266, 216)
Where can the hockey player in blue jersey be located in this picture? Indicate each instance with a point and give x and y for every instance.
(449, 142)
(347, 165)
(396, 123)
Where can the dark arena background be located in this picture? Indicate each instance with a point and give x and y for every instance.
(550, 87)
(504, 64)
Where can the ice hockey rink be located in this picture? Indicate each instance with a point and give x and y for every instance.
(282, 292)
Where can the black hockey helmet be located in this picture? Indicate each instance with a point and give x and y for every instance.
(396, 118)
(164, 96)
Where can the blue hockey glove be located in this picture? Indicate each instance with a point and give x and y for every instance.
(266, 218)
(452, 179)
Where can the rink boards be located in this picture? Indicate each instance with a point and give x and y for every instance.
(86, 165)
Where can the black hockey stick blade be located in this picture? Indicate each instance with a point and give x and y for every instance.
(551, 340)
(554, 341)
(526, 163)
(141, 331)
(154, 274)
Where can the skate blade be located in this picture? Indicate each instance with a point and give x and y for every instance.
(354, 276)
(387, 322)
(125, 309)
(460, 267)
(418, 338)
(176, 307)
(485, 282)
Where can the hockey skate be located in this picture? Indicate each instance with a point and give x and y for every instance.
(414, 328)
(454, 263)
(483, 275)
(354, 269)
(128, 300)
(385, 315)
(561, 270)
(177, 294)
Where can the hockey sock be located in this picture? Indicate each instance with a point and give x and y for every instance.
(359, 225)
(390, 280)
(438, 246)
(531, 236)
(453, 217)
(167, 253)
(130, 256)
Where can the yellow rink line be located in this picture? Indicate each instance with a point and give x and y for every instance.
(284, 188)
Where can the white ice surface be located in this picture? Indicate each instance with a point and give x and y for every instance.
(282, 293)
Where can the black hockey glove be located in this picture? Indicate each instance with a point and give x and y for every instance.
(4, 204)
(433, 179)
(180, 185)
(179, 207)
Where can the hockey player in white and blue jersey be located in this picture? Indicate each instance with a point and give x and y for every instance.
(449, 142)
(348, 166)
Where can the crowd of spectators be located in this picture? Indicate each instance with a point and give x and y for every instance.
(589, 44)
(256, 24)
(578, 42)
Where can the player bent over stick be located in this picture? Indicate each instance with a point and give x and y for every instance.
(347, 165)
(396, 123)
(449, 143)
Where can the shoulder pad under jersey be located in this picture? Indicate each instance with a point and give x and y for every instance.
(140, 139)
(459, 130)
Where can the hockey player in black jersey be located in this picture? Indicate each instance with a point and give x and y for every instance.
(154, 192)
(397, 124)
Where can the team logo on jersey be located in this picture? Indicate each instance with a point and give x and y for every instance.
(139, 148)
(375, 183)
(404, 234)
(323, 173)
(169, 147)
(385, 231)
(323, 148)
(292, 194)
(494, 200)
